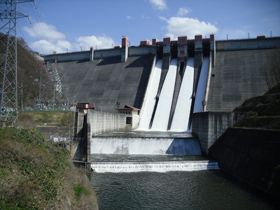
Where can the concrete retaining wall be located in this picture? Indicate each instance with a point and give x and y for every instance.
(209, 126)
(78, 126)
(251, 155)
(101, 122)
(78, 150)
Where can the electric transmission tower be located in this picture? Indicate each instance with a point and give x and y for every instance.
(50, 90)
(8, 65)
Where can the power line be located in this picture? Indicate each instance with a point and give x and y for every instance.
(39, 22)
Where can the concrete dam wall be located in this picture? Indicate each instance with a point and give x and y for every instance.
(237, 76)
(105, 77)
(107, 81)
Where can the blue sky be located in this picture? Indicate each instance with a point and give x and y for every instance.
(74, 25)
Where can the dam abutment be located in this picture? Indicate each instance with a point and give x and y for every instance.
(209, 126)
(251, 155)
(91, 124)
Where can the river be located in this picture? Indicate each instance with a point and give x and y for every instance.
(206, 189)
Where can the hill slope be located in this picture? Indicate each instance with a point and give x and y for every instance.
(261, 111)
(27, 69)
(35, 174)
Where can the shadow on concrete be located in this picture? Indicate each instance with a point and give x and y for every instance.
(111, 60)
(184, 147)
(146, 63)
(83, 61)
(140, 61)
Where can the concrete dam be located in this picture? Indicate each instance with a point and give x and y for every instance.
(122, 74)
(177, 86)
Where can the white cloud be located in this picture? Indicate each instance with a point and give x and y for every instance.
(43, 30)
(129, 17)
(158, 4)
(179, 26)
(51, 40)
(101, 42)
(64, 44)
(48, 47)
(183, 11)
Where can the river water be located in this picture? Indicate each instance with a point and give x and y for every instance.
(207, 189)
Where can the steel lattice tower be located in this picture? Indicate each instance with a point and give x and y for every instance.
(8, 68)
(50, 90)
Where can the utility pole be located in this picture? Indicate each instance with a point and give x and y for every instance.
(8, 71)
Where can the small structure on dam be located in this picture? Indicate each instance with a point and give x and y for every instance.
(132, 121)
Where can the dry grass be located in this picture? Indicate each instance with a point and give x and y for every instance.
(86, 199)
(30, 119)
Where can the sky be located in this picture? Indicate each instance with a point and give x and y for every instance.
(76, 25)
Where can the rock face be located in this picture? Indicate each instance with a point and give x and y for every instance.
(251, 155)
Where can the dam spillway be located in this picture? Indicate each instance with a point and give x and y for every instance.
(152, 142)
(145, 144)
(160, 167)
(153, 138)
(183, 106)
(160, 121)
(151, 97)
(201, 88)
(127, 149)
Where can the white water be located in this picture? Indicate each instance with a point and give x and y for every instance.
(145, 146)
(184, 102)
(151, 98)
(130, 167)
(200, 92)
(161, 118)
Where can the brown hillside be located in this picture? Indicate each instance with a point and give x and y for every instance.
(27, 66)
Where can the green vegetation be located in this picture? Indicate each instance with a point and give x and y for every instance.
(261, 111)
(80, 190)
(35, 174)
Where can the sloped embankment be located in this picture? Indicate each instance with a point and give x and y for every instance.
(35, 174)
(261, 112)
